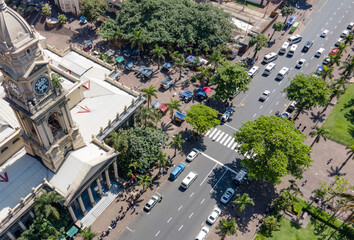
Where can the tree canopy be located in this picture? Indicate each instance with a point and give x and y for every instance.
(175, 22)
(276, 147)
(308, 91)
(92, 9)
(202, 117)
(230, 78)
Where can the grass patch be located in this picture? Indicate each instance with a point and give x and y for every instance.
(340, 122)
(315, 230)
(248, 4)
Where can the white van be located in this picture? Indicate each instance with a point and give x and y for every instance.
(295, 39)
(270, 67)
(270, 57)
(282, 73)
(319, 52)
(187, 181)
(292, 50)
(284, 47)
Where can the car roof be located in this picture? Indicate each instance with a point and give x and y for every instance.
(321, 50)
(266, 91)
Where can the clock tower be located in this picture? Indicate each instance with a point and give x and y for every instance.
(39, 104)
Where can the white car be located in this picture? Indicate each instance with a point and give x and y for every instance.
(226, 197)
(300, 63)
(193, 154)
(270, 67)
(264, 95)
(284, 47)
(151, 203)
(350, 26)
(344, 33)
(324, 33)
(339, 40)
(253, 71)
(292, 49)
(319, 52)
(202, 234)
(214, 215)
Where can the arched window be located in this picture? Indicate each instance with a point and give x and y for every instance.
(54, 125)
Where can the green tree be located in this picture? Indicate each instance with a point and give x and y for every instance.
(93, 9)
(286, 11)
(145, 115)
(348, 39)
(57, 79)
(149, 93)
(62, 19)
(327, 72)
(259, 41)
(318, 133)
(118, 140)
(204, 75)
(138, 39)
(200, 25)
(176, 143)
(202, 118)
(145, 181)
(215, 58)
(348, 67)
(278, 26)
(174, 105)
(87, 233)
(110, 31)
(159, 53)
(230, 79)
(276, 149)
(42, 228)
(242, 201)
(227, 227)
(350, 151)
(334, 189)
(162, 159)
(341, 47)
(308, 91)
(271, 223)
(180, 62)
(46, 10)
(45, 204)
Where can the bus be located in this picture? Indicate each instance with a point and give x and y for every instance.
(294, 27)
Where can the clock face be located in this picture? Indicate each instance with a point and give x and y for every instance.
(14, 87)
(41, 86)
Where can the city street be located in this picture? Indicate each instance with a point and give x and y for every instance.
(181, 214)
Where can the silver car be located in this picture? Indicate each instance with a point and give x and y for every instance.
(214, 215)
(151, 203)
(193, 154)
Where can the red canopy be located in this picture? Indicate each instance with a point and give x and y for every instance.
(163, 108)
(207, 89)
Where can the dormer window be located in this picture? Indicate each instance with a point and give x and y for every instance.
(28, 51)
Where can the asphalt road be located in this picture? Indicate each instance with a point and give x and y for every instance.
(181, 214)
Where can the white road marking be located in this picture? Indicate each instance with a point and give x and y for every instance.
(208, 132)
(279, 82)
(169, 220)
(339, 21)
(274, 90)
(157, 233)
(326, 23)
(220, 136)
(335, 27)
(180, 228)
(213, 132)
(130, 229)
(303, 54)
(202, 201)
(216, 161)
(233, 146)
(330, 18)
(346, 11)
(224, 138)
(254, 114)
(180, 207)
(270, 111)
(317, 35)
(191, 194)
(261, 107)
(230, 143)
(230, 127)
(334, 13)
(228, 139)
(321, 44)
(216, 135)
(191, 215)
(283, 95)
(306, 64)
(277, 103)
(208, 174)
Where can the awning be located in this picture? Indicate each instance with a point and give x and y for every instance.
(200, 91)
(72, 231)
(186, 94)
(163, 107)
(83, 19)
(179, 115)
(156, 104)
(87, 42)
(129, 65)
(120, 59)
(203, 61)
(190, 58)
(167, 65)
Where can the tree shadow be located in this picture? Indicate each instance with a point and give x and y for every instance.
(319, 116)
(350, 116)
(334, 171)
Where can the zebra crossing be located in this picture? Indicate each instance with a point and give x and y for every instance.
(223, 138)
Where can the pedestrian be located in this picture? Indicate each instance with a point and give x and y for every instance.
(121, 208)
(109, 227)
(329, 161)
(134, 209)
(299, 125)
(304, 128)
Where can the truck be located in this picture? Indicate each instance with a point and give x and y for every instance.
(166, 83)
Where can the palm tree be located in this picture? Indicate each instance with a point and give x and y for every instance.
(336, 92)
(145, 181)
(118, 140)
(286, 11)
(278, 26)
(149, 93)
(144, 115)
(351, 156)
(348, 67)
(174, 105)
(260, 41)
(348, 39)
(138, 39)
(180, 62)
(242, 201)
(341, 81)
(162, 159)
(44, 204)
(327, 72)
(227, 227)
(318, 133)
(215, 58)
(158, 53)
(341, 47)
(204, 75)
(87, 233)
(177, 142)
(271, 223)
(334, 59)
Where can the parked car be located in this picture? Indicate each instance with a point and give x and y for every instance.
(307, 46)
(326, 60)
(324, 33)
(166, 83)
(151, 203)
(319, 70)
(202, 234)
(227, 114)
(253, 71)
(214, 215)
(285, 115)
(240, 176)
(193, 154)
(344, 33)
(228, 194)
(334, 51)
(319, 52)
(339, 40)
(300, 63)
(264, 95)
(350, 26)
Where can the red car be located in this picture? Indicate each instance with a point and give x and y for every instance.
(334, 51)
